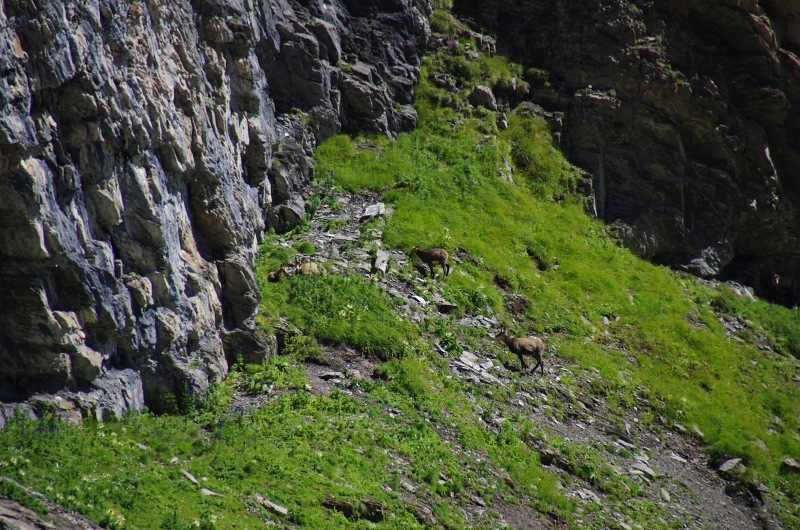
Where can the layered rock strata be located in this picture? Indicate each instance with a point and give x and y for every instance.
(144, 147)
(686, 114)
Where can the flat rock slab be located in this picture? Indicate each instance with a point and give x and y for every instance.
(271, 506)
(728, 465)
(443, 305)
(373, 210)
(381, 261)
(210, 493)
(469, 358)
(191, 477)
(644, 468)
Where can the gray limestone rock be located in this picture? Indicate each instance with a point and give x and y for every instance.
(381, 262)
(729, 465)
(143, 151)
(373, 210)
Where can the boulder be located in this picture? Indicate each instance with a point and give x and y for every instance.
(483, 96)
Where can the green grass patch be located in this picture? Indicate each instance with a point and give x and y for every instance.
(295, 450)
(663, 340)
(341, 309)
(447, 182)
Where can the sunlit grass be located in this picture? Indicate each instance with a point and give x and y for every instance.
(735, 393)
(414, 421)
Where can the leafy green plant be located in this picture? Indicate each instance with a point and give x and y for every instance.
(303, 348)
(348, 309)
(304, 247)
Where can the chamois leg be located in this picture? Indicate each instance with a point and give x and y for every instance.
(433, 273)
(523, 365)
(538, 364)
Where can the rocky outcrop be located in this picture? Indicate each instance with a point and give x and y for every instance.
(686, 115)
(144, 147)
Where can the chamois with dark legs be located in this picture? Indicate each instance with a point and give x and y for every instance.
(433, 255)
(522, 346)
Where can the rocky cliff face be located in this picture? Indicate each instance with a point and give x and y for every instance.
(686, 114)
(144, 146)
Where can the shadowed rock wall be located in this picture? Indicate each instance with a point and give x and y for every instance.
(137, 146)
(687, 115)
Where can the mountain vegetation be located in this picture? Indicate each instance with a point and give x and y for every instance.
(641, 353)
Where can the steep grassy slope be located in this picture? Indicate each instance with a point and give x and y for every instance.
(668, 351)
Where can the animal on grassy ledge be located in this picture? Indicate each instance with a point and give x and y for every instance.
(433, 255)
(522, 346)
(310, 268)
(274, 276)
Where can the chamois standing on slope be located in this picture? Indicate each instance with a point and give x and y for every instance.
(523, 346)
(433, 255)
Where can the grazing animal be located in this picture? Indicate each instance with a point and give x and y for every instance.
(312, 268)
(274, 276)
(434, 255)
(523, 346)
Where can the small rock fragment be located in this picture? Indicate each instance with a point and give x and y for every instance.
(210, 493)
(588, 495)
(469, 358)
(408, 486)
(190, 477)
(729, 464)
(381, 262)
(331, 375)
(625, 444)
(366, 508)
(790, 465)
(423, 514)
(174, 460)
(419, 300)
(665, 495)
(644, 468)
(697, 432)
(271, 506)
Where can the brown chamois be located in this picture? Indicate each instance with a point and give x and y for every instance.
(310, 269)
(522, 346)
(274, 276)
(433, 255)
